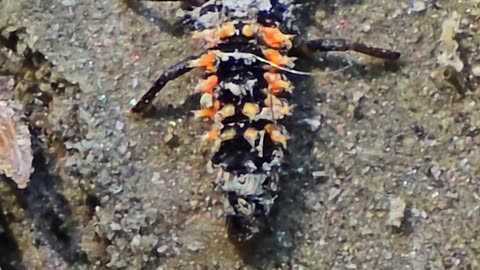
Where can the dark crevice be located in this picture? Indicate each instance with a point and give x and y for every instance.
(45, 204)
(92, 201)
(10, 256)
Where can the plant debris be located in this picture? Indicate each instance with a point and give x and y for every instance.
(15, 146)
(449, 56)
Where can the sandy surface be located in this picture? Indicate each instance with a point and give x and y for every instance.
(390, 179)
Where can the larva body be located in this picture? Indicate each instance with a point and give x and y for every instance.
(245, 95)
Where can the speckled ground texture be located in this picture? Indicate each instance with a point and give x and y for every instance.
(389, 180)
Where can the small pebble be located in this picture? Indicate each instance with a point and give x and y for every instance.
(435, 171)
(365, 27)
(314, 124)
(476, 70)
(122, 149)
(132, 102)
(119, 125)
(134, 83)
(318, 174)
(284, 239)
(195, 246)
(161, 249)
(156, 178)
(68, 3)
(168, 137)
(418, 6)
(136, 241)
(397, 210)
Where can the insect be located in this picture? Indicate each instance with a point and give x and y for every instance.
(249, 45)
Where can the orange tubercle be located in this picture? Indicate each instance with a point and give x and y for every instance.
(227, 30)
(213, 134)
(228, 134)
(206, 34)
(275, 57)
(275, 82)
(250, 110)
(251, 135)
(249, 30)
(206, 61)
(280, 108)
(207, 85)
(213, 36)
(275, 135)
(278, 85)
(272, 101)
(226, 111)
(274, 38)
(207, 113)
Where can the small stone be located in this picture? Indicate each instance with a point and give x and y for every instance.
(476, 70)
(452, 195)
(119, 125)
(284, 239)
(319, 174)
(388, 255)
(418, 6)
(68, 3)
(366, 231)
(397, 210)
(171, 140)
(334, 193)
(136, 241)
(435, 171)
(365, 27)
(162, 249)
(357, 95)
(122, 149)
(195, 246)
(320, 15)
(156, 178)
(115, 227)
(134, 83)
(353, 222)
(314, 124)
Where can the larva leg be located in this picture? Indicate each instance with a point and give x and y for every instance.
(171, 73)
(326, 45)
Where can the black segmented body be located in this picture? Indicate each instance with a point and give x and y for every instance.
(248, 173)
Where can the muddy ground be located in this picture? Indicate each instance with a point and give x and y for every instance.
(111, 191)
